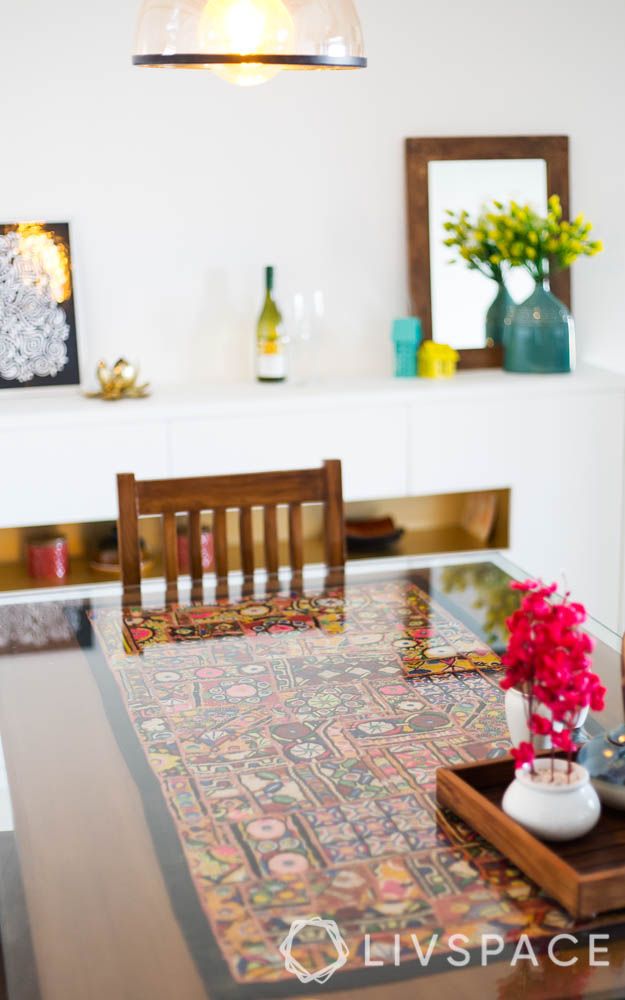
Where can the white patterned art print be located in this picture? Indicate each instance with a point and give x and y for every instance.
(38, 344)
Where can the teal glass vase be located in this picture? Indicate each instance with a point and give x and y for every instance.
(539, 335)
(501, 307)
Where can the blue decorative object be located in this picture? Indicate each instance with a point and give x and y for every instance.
(539, 335)
(407, 336)
(500, 309)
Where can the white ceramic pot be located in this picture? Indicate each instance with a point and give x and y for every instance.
(517, 713)
(553, 812)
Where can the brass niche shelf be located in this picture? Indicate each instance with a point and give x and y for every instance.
(434, 525)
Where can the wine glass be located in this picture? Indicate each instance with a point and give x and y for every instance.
(305, 320)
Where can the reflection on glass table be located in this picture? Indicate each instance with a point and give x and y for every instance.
(187, 781)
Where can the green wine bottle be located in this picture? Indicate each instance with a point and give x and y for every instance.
(271, 360)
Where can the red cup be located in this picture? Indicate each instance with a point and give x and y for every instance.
(184, 562)
(48, 558)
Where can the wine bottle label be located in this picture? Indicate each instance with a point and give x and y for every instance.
(271, 366)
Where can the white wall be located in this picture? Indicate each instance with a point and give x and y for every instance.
(180, 187)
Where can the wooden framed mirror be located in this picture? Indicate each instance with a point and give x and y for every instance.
(466, 173)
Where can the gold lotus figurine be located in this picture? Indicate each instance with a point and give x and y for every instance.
(119, 382)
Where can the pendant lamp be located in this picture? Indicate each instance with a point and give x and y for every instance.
(248, 42)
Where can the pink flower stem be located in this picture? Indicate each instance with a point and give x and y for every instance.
(529, 711)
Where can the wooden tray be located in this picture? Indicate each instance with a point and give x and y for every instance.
(587, 876)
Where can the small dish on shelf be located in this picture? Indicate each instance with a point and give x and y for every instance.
(373, 535)
(107, 556)
(114, 569)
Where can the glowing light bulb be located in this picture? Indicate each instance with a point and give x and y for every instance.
(49, 260)
(245, 28)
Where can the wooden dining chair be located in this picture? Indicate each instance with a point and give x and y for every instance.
(219, 494)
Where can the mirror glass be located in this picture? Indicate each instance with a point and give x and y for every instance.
(460, 297)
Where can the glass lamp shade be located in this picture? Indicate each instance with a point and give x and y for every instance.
(249, 41)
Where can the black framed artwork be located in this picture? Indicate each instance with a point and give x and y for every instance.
(38, 340)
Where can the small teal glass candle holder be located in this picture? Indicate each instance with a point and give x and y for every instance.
(407, 336)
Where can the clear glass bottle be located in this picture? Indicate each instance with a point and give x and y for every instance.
(271, 355)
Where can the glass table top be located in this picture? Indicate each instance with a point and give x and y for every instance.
(185, 784)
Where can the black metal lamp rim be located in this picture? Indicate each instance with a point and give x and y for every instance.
(205, 59)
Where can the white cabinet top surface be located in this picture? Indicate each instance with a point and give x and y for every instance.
(41, 407)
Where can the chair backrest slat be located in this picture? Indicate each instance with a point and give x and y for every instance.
(170, 548)
(195, 546)
(272, 559)
(128, 532)
(218, 494)
(334, 518)
(296, 538)
(247, 541)
(156, 496)
(220, 542)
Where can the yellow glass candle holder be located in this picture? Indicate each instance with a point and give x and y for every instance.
(437, 360)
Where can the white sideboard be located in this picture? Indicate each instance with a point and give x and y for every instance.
(558, 442)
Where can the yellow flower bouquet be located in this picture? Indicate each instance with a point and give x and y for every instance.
(537, 335)
(523, 238)
(518, 236)
(474, 245)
